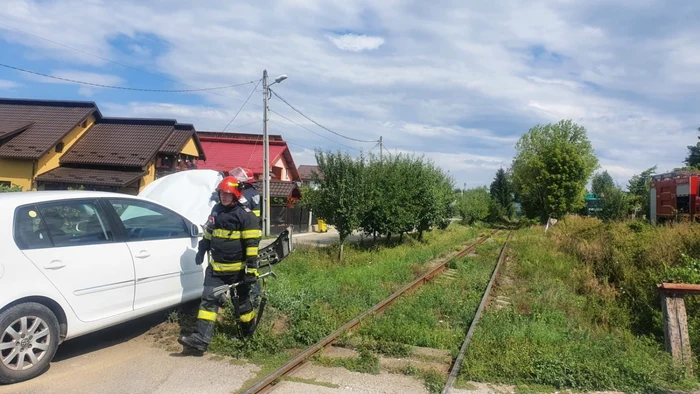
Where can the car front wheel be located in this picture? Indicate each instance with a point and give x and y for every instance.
(28, 341)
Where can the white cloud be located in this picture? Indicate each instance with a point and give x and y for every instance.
(5, 84)
(461, 82)
(356, 42)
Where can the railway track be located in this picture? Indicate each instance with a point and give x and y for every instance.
(472, 327)
(267, 383)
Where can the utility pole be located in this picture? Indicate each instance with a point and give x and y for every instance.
(266, 161)
(381, 148)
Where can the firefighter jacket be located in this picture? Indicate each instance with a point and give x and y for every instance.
(251, 194)
(232, 235)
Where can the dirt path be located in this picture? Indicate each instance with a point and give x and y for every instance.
(123, 359)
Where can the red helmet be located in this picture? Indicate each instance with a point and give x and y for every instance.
(230, 185)
(244, 175)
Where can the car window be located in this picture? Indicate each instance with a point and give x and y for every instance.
(147, 221)
(71, 223)
(30, 231)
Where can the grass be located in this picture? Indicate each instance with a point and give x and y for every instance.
(314, 294)
(565, 329)
(434, 381)
(365, 362)
(436, 315)
(311, 381)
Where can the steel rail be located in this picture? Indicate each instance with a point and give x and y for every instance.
(265, 384)
(460, 357)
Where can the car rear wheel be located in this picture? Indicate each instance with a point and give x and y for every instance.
(28, 341)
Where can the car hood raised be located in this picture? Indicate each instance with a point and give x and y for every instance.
(186, 192)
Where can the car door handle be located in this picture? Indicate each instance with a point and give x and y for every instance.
(54, 265)
(142, 254)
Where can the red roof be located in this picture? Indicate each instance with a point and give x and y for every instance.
(225, 153)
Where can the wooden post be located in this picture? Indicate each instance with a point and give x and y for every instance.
(676, 321)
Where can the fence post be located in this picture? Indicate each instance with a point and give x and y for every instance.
(676, 321)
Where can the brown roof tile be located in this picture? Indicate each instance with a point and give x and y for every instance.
(305, 172)
(120, 142)
(91, 176)
(52, 120)
(178, 139)
(176, 142)
(10, 127)
(280, 188)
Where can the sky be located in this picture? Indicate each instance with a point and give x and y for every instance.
(455, 81)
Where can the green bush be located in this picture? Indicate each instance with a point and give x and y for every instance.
(585, 313)
(10, 189)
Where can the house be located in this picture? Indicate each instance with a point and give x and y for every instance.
(306, 173)
(226, 151)
(125, 155)
(54, 145)
(35, 134)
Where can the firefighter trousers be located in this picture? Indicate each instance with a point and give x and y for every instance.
(209, 306)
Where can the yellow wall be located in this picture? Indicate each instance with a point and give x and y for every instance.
(19, 172)
(190, 148)
(51, 160)
(148, 178)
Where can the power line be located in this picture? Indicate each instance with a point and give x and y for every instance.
(316, 123)
(123, 87)
(118, 63)
(301, 146)
(240, 109)
(313, 132)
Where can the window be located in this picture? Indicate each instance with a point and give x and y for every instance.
(69, 223)
(59, 147)
(146, 221)
(5, 184)
(30, 231)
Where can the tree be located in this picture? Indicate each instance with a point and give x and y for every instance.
(601, 183)
(501, 191)
(473, 205)
(639, 187)
(339, 198)
(693, 158)
(616, 205)
(551, 168)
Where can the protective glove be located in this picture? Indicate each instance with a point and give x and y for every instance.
(199, 259)
(251, 276)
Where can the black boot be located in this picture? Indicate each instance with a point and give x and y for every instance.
(193, 342)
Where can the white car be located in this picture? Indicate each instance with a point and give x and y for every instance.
(74, 262)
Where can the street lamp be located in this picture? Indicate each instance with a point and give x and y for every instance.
(266, 152)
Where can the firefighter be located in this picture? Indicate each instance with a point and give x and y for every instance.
(232, 236)
(247, 180)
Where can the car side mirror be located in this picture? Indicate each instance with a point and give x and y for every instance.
(194, 231)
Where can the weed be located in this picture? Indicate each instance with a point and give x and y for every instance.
(387, 348)
(366, 362)
(314, 295)
(437, 315)
(573, 332)
(311, 381)
(434, 381)
(173, 317)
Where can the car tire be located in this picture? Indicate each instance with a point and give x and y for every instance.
(29, 333)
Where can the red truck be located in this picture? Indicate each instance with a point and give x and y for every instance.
(674, 196)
